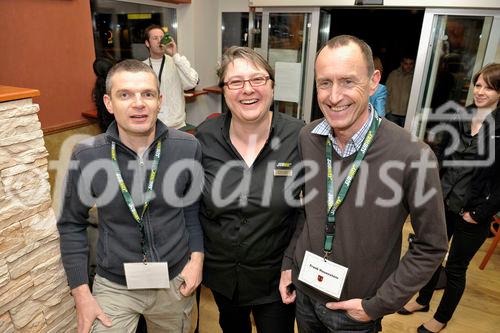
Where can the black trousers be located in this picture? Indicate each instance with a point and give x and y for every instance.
(273, 317)
(466, 239)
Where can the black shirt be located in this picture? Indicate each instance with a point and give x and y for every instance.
(458, 181)
(455, 181)
(247, 235)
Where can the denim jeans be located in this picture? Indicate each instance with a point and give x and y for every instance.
(315, 317)
(466, 241)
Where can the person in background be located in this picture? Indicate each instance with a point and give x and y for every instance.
(379, 97)
(101, 68)
(346, 263)
(398, 87)
(471, 194)
(249, 154)
(122, 172)
(174, 73)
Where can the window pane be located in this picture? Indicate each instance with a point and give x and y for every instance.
(119, 27)
(235, 29)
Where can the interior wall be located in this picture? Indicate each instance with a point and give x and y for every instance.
(233, 5)
(48, 45)
(198, 41)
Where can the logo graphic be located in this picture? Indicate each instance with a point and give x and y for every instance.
(442, 129)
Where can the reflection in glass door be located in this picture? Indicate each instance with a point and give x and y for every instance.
(285, 54)
(456, 50)
(286, 38)
(235, 27)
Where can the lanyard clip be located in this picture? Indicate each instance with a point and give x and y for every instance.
(330, 228)
(327, 253)
(144, 259)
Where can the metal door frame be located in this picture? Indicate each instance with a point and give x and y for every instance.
(312, 44)
(425, 47)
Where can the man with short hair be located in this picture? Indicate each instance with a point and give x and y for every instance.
(398, 88)
(150, 246)
(174, 73)
(346, 264)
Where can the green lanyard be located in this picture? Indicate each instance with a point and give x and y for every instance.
(334, 205)
(128, 197)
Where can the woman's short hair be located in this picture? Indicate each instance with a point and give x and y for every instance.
(240, 52)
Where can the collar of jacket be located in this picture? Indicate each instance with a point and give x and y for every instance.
(160, 133)
(227, 123)
(495, 114)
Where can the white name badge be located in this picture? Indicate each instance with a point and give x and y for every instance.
(324, 275)
(150, 275)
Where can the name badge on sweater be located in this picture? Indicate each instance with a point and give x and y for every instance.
(324, 275)
(149, 275)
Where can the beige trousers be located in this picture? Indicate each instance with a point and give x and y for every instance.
(165, 310)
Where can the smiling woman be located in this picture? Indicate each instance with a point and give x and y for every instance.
(249, 155)
(470, 192)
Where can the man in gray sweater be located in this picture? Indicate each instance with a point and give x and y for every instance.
(345, 260)
(150, 246)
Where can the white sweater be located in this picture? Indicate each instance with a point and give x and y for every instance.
(177, 76)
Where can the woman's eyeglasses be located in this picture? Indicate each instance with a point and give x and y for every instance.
(254, 82)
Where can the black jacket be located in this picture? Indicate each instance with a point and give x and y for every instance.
(246, 237)
(172, 229)
(482, 192)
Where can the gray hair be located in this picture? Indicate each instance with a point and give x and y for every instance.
(240, 52)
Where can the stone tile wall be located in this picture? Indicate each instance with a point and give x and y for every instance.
(34, 296)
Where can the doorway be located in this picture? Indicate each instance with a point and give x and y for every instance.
(391, 33)
(455, 44)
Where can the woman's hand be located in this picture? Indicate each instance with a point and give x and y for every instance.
(467, 218)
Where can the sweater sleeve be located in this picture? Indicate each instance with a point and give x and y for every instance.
(287, 262)
(189, 77)
(72, 225)
(423, 197)
(191, 211)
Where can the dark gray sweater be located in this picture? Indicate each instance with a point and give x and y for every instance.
(172, 228)
(369, 233)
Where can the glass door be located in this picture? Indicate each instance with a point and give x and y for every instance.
(453, 46)
(288, 42)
